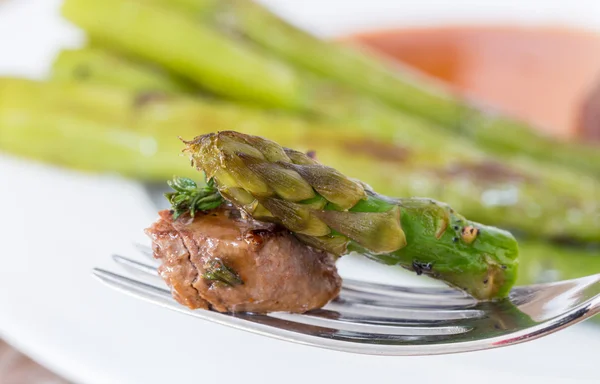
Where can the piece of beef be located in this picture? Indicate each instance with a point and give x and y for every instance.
(277, 271)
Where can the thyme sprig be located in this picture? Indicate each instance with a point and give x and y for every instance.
(189, 197)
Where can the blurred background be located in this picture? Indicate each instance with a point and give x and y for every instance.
(491, 107)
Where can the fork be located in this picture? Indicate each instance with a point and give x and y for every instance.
(377, 319)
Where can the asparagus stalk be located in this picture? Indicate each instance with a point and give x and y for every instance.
(544, 262)
(330, 102)
(232, 69)
(373, 74)
(43, 123)
(241, 71)
(108, 129)
(163, 37)
(329, 211)
(197, 8)
(98, 66)
(349, 65)
(56, 123)
(407, 132)
(236, 70)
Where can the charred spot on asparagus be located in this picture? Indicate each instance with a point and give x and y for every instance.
(82, 72)
(144, 98)
(420, 267)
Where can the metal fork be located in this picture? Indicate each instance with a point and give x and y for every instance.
(378, 319)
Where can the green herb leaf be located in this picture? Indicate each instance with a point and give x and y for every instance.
(216, 270)
(191, 198)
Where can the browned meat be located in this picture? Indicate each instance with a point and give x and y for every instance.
(276, 271)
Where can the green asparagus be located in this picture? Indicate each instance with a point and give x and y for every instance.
(373, 74)
(236, 70)
(97, 66)
(329, 211)
(66, 123)
(197, 8)
(241, 71)
(232, 69)
(357, 68)
(163, 37)
(544, 262)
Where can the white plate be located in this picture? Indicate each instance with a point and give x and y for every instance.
(57, 224)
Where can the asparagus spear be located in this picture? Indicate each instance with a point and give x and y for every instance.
(236, 70)
(98, 66)
(368, 115)
(350, 65)
(329, 211)
(41, 124)
(163, 37)
(34, 114)
(232, 69)
(107, 129)
(240, 71)
(373, 74)
(544, 262)
(197, 8)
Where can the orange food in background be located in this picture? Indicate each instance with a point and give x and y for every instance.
(543, 75)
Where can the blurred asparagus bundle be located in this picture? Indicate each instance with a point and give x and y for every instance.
(255, 57)
(543, 262)
(135, 133)
(427, 163)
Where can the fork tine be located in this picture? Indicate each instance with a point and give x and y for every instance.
(340, 339)
(135, 266)
(360, 327)
(406, 299)
(398, 291)
(394, 319)
(399, 314)
(130, 286)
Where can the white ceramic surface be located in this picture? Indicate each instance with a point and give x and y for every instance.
(57, 224)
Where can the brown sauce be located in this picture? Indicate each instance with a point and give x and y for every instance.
(543, 75)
